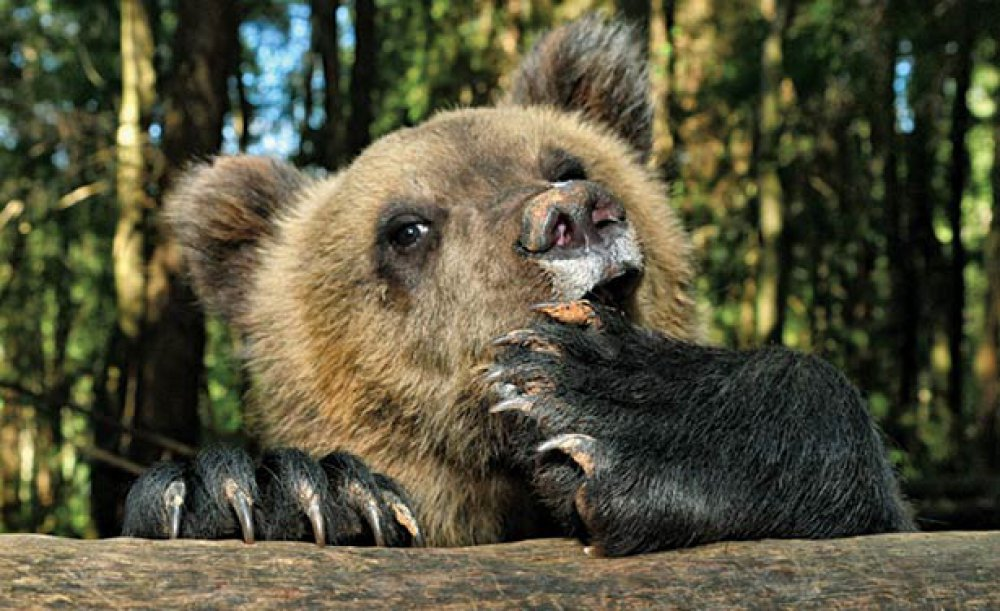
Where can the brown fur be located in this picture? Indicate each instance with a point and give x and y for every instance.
(388, 367)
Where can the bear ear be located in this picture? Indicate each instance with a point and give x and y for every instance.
(595, 67)
(220, 213)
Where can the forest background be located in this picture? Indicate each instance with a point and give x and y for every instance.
(837, 162)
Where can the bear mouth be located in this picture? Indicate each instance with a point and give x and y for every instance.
(616, 291)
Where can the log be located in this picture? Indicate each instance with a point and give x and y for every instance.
(949, 570)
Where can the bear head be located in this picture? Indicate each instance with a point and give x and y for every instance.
(368, 300)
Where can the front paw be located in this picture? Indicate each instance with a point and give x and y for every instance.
(579, 380)
(221, 493)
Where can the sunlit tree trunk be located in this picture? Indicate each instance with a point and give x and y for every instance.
(511, 34)
(162, 372)
(138, 87)
(129, 250)
(768, 311)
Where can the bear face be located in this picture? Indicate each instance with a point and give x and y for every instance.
(369, 300)
(334, 283)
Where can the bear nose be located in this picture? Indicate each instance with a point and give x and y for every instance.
(568, 216)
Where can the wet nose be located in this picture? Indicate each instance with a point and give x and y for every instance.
(568, 216)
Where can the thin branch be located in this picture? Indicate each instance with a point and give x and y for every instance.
(42, 402)
(111, 459)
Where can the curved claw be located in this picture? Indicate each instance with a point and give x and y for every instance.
(580, 312)
(580, 448)
(369, 506)
(514, 404)
(406, 518)
(529, 339)
(371, 512)
(309, 501)
(494, 375)
(173, 498)
(242, 504)
(315, 515)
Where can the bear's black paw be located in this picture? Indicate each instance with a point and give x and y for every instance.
(577, 379)
(221, 494)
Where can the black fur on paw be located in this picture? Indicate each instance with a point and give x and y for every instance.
(211, 497)
(287, 496)
(637, 442)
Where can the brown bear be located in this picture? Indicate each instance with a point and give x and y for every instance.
(395, 339)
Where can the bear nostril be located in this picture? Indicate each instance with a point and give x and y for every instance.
(607, 213)
(562, 231)
(567, 217)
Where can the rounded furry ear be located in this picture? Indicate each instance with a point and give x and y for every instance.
(595, 67)
(220, 212)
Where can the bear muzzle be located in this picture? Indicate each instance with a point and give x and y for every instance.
(579, 234)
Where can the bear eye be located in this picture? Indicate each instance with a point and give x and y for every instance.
(407, 236)
(405, 231)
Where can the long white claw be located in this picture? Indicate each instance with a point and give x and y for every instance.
(515, 404)
(579, 447)
(315, 515)
(173, 498)
(242, 504)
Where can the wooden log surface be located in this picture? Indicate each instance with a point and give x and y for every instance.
(939, 570)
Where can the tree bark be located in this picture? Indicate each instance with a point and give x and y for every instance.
(949, 570)
(363, 77)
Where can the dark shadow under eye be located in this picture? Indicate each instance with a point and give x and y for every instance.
(561, 166)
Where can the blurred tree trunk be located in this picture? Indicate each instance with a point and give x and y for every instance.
(661, 40)
(196, 101)
(138, 91)
(138, 79)
(957, 177)
(363, 77)
(164, 354)
(988, 355)
(511, 35)
(769, 309)
(901, 262)
(325, 50)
